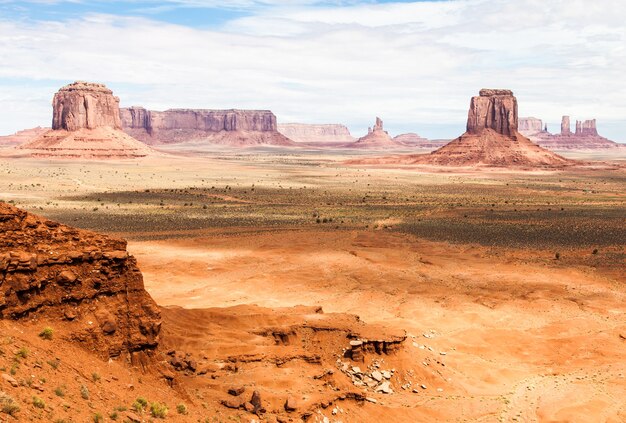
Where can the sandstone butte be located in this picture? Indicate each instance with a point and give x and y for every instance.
(302, 132)
(86, 282)
(586, 136)
(377, 138)
(491, 139)
(225, 127)
(85, 124)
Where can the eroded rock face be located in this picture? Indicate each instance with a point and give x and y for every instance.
(179, 125)
(85, 282)
(493, 109)
(565, 126)
(85, 105)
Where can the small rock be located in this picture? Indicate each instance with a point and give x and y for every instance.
(291, 404)
(372, 400)
(10, 380)
(423, 386)
(386, 374)
(236, 390)
(335, 411)
(132, 417)
(248, 407)
(356, 370)
(231, 404)
(376, 375)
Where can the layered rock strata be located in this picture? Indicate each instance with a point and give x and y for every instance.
(301, 132)
(236, 127)
(85, 284)
(85, 105)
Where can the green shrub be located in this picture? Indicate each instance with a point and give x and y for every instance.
(59, 392)
(22, 353)
(158, 410)
(97, 418)
(54, 363)
(8, 404)
(95, 377)
(181, 408)
(47, 333)
(114, 415)
(38, 402)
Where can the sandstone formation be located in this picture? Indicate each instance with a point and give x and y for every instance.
(491, 139)
(20, 137)
(85, 124)
(302, 132)
(230, 127)
(530, 125)
(377, 138)
(493, 109)
(85, 105)
(85, 284)
(584, 138)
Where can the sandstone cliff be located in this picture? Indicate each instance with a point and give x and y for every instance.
(85, 124)
(78, 279)
(493, 109)
(237, 127)
(85, 105)
(301, 132)
(417, 141)
(530, 125)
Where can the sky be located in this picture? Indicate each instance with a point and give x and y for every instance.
(413, 63)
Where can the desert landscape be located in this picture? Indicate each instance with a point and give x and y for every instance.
(247, 243)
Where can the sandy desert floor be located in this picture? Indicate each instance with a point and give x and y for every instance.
(464, 263)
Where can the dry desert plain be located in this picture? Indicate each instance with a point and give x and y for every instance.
(508, 286)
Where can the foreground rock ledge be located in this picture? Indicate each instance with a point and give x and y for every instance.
(85, 283)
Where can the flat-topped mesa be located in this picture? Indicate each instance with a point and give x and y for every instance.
(179, 125)
(530, 125)
(493, 109)
(302, 132)
(84, 282)
(85, 105)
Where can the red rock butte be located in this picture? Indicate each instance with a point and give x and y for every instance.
(377, 138)
(491, 139)
(85, 124)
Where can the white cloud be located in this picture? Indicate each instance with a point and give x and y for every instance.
(414, 64)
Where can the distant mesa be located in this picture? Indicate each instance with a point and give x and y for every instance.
(585, 137)
(85, 124)
(377, 138)
(491, 139)
(226, 127)
(315, 133)
(417, 141)
(20, 137)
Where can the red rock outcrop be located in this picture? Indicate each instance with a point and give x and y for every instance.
(493, 109)
(585, 138)
(377, 138)
(85, 124)
(492, 139)
(301, 132)
(85, 283)
(85, 105)
(237, 127)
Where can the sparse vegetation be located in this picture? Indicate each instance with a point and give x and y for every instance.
(95, 377)
(158, 410)
(97, 418)
(47, 333)
(38, 402)
(114, 415)
(8, 404)
(22, 353)
(181, 409)
(140, 404)
(84, 392)
(59, 391)
(54, 363)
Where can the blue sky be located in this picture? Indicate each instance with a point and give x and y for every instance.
(414, 63)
